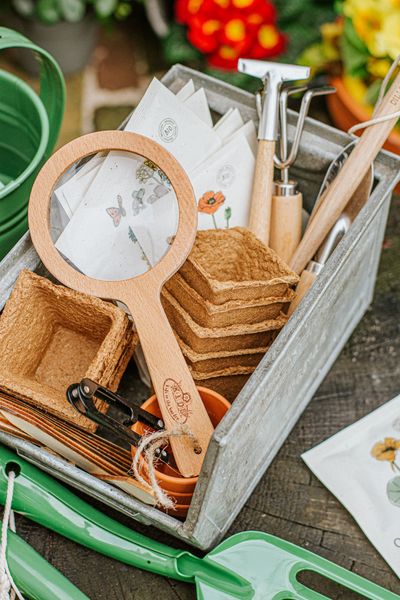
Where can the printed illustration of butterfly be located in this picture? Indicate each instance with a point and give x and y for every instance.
(117, 212)
(158, 192)
(138, 204)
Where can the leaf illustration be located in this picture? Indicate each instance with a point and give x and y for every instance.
(393, 490)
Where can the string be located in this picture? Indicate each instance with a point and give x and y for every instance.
(148, 446)
(382, 91)
(8, 588)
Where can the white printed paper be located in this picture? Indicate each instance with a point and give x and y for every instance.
(361, 467)
(115, 232)
(198, 104)
(122, 210)
(162, 117)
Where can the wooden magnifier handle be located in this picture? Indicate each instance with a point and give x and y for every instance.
(260, 210)
(178, 398)
(286, 221)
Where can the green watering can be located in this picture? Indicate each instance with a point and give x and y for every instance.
(248, 566)
(29, 127)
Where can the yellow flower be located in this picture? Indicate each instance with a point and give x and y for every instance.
(388, 38)
(356, 88)
(377, 24)
(386, 450)
(378, 66)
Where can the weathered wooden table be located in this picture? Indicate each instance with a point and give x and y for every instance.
(289, 502)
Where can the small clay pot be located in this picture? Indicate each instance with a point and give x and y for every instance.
(176, 486)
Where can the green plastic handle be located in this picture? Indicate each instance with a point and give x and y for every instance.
(52, 86)
(273, 566)
(34, 576)
(41, 498)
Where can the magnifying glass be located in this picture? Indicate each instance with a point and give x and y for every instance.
(178, 398)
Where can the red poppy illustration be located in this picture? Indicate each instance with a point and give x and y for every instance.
(210, 202)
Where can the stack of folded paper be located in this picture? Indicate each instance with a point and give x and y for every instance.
(225, 306)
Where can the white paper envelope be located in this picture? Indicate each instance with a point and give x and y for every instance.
(187, 91)
(115, 232)
(162, 117)
(225, 181)
(228, 124)
(198, 103)
(356, 466)
(249, 130)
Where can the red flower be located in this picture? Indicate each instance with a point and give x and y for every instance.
(225, 30)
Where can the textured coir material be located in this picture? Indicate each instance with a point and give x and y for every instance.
(236, 337)
(51, 336)
(211, 362)
(232, 264)
(235, 312)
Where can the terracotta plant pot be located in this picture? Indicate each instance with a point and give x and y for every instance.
(178, 487)
(346, 112)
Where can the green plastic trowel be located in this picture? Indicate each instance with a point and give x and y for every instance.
(247, 566)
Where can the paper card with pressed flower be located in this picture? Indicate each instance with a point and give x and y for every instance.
(361, 467)
(223, 186)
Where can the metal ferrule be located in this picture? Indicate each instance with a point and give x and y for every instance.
(314, 267)
(282, 188)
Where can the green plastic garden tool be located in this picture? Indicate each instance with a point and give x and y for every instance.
(248, 566)
(34, 576)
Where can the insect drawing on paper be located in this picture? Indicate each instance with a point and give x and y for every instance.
(135, 240)
(148, 172)
(386, 451)
(158, 192)
(138, 203)
(210, 202)
(116, 212)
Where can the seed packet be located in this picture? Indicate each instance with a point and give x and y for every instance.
(198, 104)
(71, 193)
(361, 467)
(162, 117)
(223, 186)
(228, 124)
(122, 227)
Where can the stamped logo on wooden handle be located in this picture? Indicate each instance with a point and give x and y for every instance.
(177, 401)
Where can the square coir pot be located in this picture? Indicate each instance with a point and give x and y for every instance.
(51, 336)
(232, 264)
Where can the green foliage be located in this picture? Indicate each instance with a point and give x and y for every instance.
(176, 47)
(393, 491)
(372, 93)
(54, 11)
(300, 21)
(354, 52)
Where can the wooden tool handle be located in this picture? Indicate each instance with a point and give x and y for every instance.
(177, 395)
(260, 211)
(286, 221)
(347, 181)
(306, 280)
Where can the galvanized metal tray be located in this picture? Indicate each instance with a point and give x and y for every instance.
(246, 441)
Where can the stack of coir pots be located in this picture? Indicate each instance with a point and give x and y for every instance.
(226, 305)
